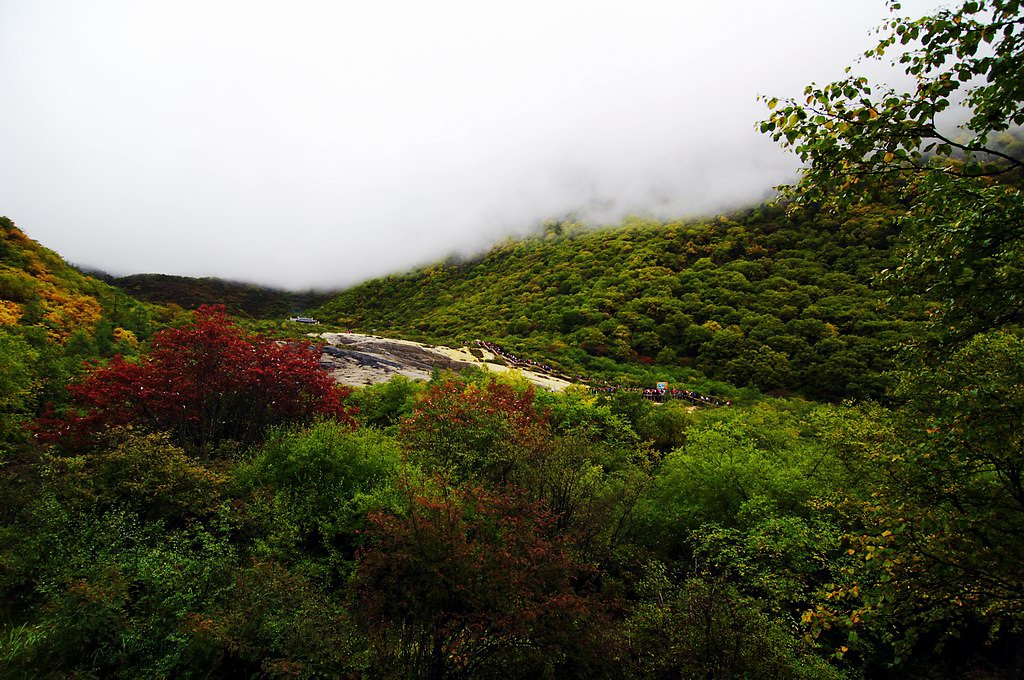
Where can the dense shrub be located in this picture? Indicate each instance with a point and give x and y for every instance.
(206, 383)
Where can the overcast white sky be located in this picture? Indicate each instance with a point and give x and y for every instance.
(307, 142)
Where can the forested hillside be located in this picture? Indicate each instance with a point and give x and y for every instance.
(761, 299)
(39, 289)
(52, 318)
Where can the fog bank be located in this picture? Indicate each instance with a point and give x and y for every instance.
(321, 143)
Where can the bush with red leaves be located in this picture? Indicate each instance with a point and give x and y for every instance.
(473, 583)
(206, 383)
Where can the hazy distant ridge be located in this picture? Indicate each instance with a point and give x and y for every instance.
(244, 299)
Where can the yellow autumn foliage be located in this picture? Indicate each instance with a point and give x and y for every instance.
(38, 287)
(10, 312)
(124, 335)
(35, 266)
(67, 313)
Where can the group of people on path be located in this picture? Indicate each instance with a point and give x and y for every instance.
(658, 394)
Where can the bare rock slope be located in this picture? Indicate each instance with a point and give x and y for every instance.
(356, 359)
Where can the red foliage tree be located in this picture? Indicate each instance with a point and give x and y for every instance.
(469, 581)
(205, 383)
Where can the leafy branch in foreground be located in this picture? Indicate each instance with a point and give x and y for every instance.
(850, 130)
(944, 521)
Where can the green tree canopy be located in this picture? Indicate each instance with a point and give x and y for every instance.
(943, 527)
